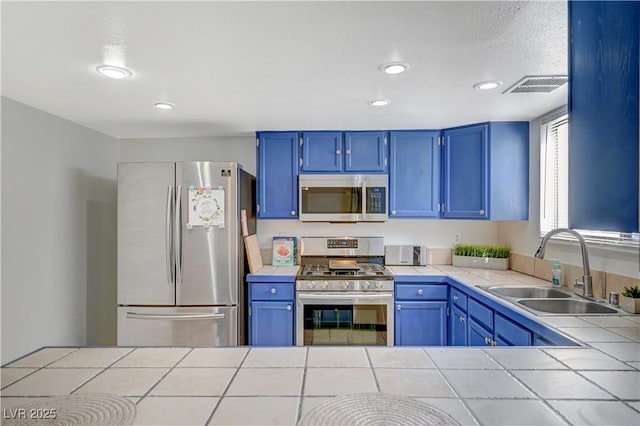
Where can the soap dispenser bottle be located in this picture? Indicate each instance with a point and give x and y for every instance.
(556, 272)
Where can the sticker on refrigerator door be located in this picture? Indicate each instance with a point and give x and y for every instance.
(206, 207)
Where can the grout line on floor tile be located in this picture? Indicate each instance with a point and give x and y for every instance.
(373, 370)
(455, 393)
(21, 378)
(111, 365)
(579, 373)
(7, 365)
(304, 379)
(88, 380)
(224, 392)
(631, 406)
(169, 370)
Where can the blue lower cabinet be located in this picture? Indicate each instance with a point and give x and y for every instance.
(458, 327)
(271, 323)
(478, 335)
(508, 333)
(271, 312)
(421, 323)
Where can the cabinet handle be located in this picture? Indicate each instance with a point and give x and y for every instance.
(494, 343)
(455, 298)
(348, 151)
(273, 290)
(399, 307)
(461, 319)
(293, 212)
(420, 291)
(481, 212)
(288, 307)
(487, 341)
(338, 152)
(393, 212)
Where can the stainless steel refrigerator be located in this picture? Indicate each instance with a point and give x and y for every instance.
(181, 260)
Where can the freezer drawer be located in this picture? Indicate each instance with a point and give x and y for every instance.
(183, 326)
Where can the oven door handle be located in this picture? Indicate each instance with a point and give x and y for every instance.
(347, 296)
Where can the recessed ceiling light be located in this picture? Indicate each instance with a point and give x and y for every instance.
(487, 85)
(379, 102)
(113, 72)
(164, 105)
(394, 68)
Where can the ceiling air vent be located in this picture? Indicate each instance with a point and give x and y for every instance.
(538, 84)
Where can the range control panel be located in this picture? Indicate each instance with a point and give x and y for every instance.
(342, 244)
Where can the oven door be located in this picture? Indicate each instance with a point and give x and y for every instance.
(335, 319)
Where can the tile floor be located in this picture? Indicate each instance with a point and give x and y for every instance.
(265, 386)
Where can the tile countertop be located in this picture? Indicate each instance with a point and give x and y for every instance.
(596, 384)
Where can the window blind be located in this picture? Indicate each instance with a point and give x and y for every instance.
(554, 175)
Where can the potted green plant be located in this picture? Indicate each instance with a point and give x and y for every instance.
(481, 256)
(630, 300)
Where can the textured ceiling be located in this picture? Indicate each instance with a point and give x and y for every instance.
(237, 67)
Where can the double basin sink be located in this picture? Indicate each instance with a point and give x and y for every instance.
(550, 301)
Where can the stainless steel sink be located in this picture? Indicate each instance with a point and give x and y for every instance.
(527, 292)
(566, 306)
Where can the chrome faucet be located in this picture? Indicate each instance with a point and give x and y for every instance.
(586, 284)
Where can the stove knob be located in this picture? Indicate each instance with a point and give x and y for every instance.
(378, 285)
(311, 284)
(366, 284)
(325, 284)
(345, 284)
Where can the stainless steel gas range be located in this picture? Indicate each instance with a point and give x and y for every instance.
(344, 294)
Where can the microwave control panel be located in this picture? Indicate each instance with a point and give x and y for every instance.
(376, 200)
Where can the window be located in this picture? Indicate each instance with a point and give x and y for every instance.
(554, 174)
(554, 184)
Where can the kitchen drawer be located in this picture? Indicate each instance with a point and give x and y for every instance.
(421, 292)
(511, 333)
(459, 299)
(271, 291)
(481, 313)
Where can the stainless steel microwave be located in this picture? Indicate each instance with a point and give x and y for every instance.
(343, 198)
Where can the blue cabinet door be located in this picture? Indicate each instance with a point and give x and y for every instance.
(277, 180)
(322, 152)
(365, 152)
(458, 328)
(508, 333)
(603, 111)
(478, 335)
(421, 324)
(465, 174)
(272, 323)
(414, 174)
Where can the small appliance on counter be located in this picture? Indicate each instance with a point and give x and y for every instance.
(404, 255)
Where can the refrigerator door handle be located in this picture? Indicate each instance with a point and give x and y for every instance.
(178, 235)
(168, 238)
(175, 317)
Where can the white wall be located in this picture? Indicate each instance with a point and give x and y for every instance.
(433, 233)
(240, 148)
(58, 232)
(523, 236)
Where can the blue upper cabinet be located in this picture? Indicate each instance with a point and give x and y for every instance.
(414, 174)
(322, 152)
(603, 115)
(486, 171)
(277, 175)
(365, 152)
(338, 152)
(466, 173)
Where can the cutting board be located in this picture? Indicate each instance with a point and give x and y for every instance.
(253, 252)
